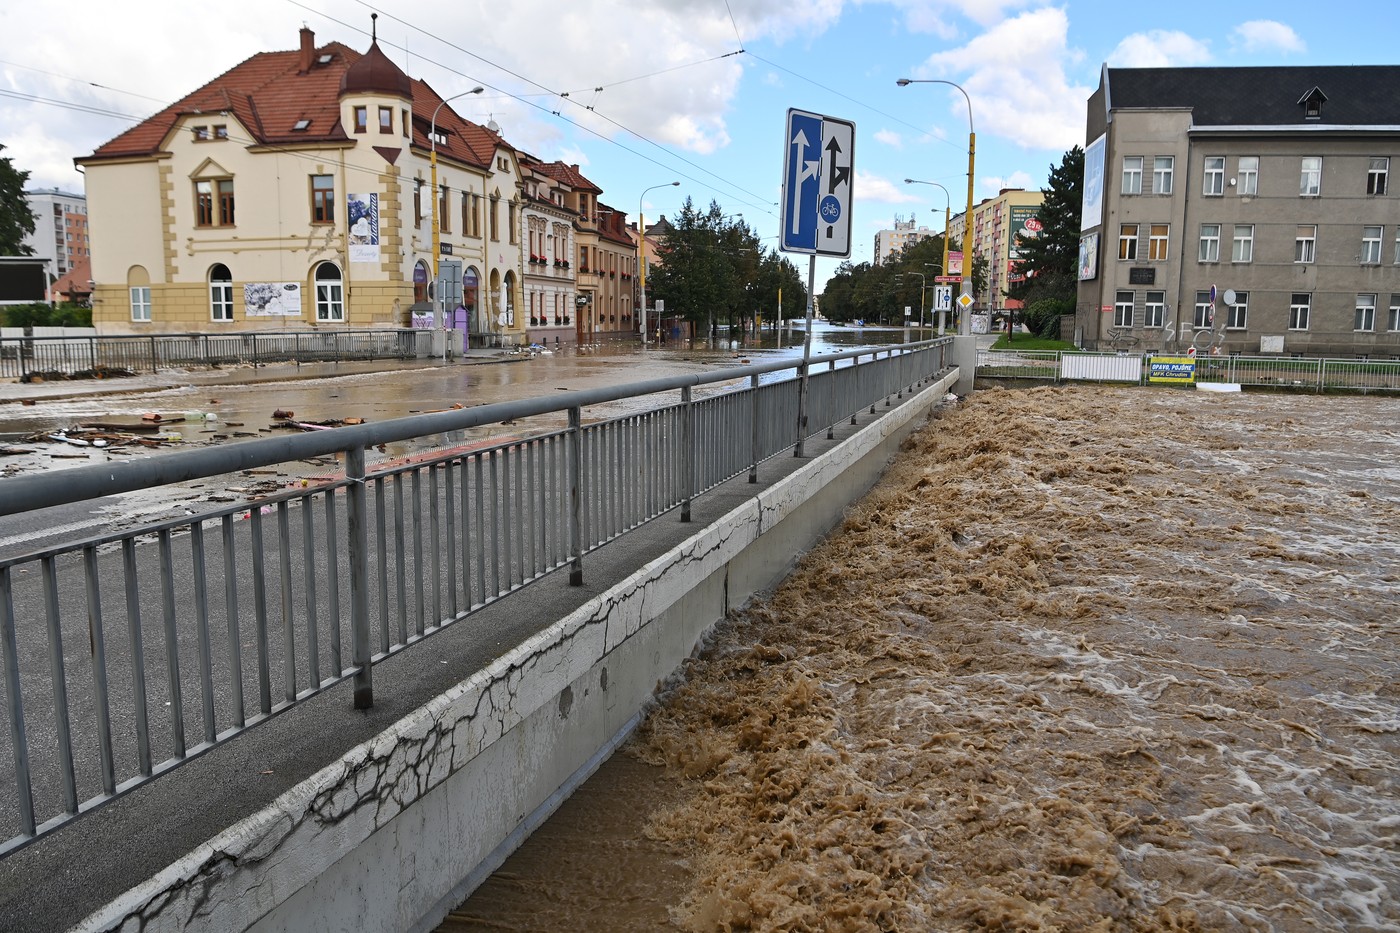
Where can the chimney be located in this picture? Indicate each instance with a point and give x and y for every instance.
(308, 50)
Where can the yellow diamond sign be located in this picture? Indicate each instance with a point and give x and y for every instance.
(966, 301)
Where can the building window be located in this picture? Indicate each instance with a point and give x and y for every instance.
(444, 218)
(1377, 175)
(201, 133)
(1215, 175)
(1155, 311)
(322, 199)
(1365, 313)
(1371, 245)
(1123, 310)
(495, 218)
(1210, 243)
(1158, 235)
(1394, 323)
(1162, 174)
(511, 224)
(221, 131)
(220, 293)
(1132, 174)
(386, 119)
(1305, 246)
(1242, 247)
(1237, 314)
(330, 293)
(405, 121)
(1249, 176)
(1310, 183)
(141, 303)
(213, 202)
(361, 119)
(1204, 318)
(418, 202)
(1299, 311)
(1127, 241)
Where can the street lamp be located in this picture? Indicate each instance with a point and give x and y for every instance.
(923, 284)
(642, 236)
(964, 322)
(432, 159)
(947, 223)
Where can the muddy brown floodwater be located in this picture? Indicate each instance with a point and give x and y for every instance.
(1086, 659)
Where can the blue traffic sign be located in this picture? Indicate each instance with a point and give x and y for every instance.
(818, 165)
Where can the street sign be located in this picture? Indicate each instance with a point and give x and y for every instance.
(947, 278)
(942, 298)
(818, 166)
(965, 300)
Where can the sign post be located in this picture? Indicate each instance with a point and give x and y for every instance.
(818, 167)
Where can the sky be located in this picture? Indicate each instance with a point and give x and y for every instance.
(641, 94)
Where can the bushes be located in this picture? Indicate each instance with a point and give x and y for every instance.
(1042, 317)
(42, 315)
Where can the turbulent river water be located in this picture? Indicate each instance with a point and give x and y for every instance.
(1086, 659)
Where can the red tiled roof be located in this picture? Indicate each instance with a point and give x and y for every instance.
(569, 175)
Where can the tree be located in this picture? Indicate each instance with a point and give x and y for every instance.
(1050, 260)
(16, 219)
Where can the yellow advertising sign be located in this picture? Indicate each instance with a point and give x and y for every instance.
(1172, 369)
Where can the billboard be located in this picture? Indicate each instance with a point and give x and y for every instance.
(1025, 225)
(364, 227)
(1088, 257)
(272, 299)
(1091, 213)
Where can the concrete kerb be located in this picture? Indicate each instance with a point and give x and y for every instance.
(267, 869)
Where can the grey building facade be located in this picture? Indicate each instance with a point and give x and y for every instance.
(1243, 210)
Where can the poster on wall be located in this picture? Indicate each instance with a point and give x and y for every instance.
(1091, 214)
(1025, 226)
(272, 299)
(364, 227)
(1088, 257)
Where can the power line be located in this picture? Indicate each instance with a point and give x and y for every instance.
(69, 105)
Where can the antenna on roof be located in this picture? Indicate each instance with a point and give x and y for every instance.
(373, 27)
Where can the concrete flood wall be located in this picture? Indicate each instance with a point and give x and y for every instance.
(402, 828)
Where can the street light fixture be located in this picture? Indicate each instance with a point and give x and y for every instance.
(923, 284)
(642, 236)
(964, 322)
(432, 159)
(947, 223)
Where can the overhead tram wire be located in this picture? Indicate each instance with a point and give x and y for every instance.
(70, 105)
(102, 87)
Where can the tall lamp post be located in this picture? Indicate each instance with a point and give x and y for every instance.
(432, 160)
(923, 284)
(642, 236)
(964, 321)
(947, 223)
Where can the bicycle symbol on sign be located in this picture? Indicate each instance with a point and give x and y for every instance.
(830, 209)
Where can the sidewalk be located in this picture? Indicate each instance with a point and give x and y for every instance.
(14, 391)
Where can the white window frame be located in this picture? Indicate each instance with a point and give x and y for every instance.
(1378, 175)
(1371, 238)
(1157, 244)
(140, 302)
(1154, 311)
(1365, 320)
(1214, 183)
(1299, 311)
(1310, 177)
(1203, 316)
(1237, 314)
(1249, 176)
(1393, 324)
(1127, 245)
(1123, 303)
(1305, 244)
(1162, 169)
(1132, 174)
(330, 295)
(1210, 243)
(221, 300)
(1242, 245)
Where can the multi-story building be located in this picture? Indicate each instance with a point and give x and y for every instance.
(999, 226)
(60, 229)
(550, 287)
(306, 173)
(891, 242)
(1246, 210)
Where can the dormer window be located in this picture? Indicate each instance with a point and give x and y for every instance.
(301, 125)
(440, 137)
(1312, 104)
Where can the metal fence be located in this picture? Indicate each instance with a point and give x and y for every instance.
(1316, 375)
(127, 654)
(23, 357)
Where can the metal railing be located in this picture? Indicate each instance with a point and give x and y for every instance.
(200, 627)
(1310, 374)
(23, 357)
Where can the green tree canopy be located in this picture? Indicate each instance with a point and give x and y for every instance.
(16, 219)
(1050, 260)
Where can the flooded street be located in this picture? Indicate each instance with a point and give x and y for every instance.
(1085, 659)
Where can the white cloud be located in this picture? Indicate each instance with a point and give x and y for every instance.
(991, 184)
(889, 138)
(870, 187)
(1266, 35)
(1018, 87)
(939, 17)
(1159, 48)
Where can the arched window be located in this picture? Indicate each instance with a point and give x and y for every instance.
(139, 284)
(220, 293)
(330, 293)
(420, 282)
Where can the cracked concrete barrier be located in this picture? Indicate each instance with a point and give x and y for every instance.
(403, 827)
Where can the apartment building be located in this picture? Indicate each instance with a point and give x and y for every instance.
(906, 233)
(60, 229)
(999, 226)
(1242, 210)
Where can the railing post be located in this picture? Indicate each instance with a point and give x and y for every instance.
(687, 458)
(754, 455)
(358, 521)
(831, 401)
(798, 448)
(576, 491)
(154, 352)
(297, 337)
(1321, 375)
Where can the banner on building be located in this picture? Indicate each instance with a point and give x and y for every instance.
(363, 217)
(1172, 369)
(1025, 225)
(1091, 213)
(1089, 257)
(272, 299)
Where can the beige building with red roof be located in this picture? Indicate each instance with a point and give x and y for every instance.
(294, 191)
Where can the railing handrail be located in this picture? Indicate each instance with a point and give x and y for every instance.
(30, 492)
